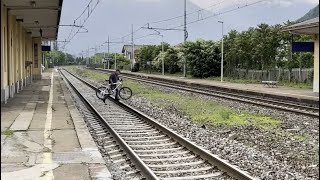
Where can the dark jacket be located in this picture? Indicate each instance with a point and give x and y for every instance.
(114, 78)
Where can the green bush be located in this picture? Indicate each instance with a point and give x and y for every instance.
(203, 58)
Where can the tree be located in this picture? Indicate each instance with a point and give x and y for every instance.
(149, 53)
(60, 58)
(203, 58)
(171, 60)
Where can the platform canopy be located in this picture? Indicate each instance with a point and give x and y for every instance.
(37, 14)
(308, 27)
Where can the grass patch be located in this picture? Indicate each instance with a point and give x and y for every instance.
(282, 134)
(7, 132)
(301, 137)
(90, 74)
(295, 85)
(280, 83)
(203, 112)
(231, 80)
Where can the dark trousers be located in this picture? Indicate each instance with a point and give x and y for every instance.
(117, 91)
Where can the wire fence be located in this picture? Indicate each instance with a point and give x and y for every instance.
(295, 75)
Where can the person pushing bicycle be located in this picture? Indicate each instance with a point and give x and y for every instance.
(114, 87)
(113, 80)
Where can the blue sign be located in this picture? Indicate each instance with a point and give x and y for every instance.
(46, 48)
(302, 46)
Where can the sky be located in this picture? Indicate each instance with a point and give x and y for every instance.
(114, 18)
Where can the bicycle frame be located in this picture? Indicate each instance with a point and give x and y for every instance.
(119, 84)
(122, 92)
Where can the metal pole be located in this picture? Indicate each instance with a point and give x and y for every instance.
(162, 56)
(222, 55)
(108, 52)
(64, 57)
(104, 57)
(132, 53)
(104, 64)
(88, 60)
(95, 55)
(115, 61)
(185, 37)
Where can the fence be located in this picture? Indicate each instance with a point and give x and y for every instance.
(296, 75)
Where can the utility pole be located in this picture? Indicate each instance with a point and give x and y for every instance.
(95, 54)
(88, 60)
(115, 61)
(185, 37)
(162, 57)
(132, 53)
(108, 52)
(104, 57)
(222, 55)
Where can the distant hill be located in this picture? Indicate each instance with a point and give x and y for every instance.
(313, 13)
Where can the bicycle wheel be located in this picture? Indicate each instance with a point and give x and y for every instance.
(125, 93)
(101, 93)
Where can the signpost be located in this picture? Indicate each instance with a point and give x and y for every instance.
(107, 61)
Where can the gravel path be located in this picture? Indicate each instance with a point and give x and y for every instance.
(261, 153)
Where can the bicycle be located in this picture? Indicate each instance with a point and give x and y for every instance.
(103, 92)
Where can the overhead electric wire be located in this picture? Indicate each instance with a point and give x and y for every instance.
(214, 15)
(188, 14)
(180, 16)
(87, 9)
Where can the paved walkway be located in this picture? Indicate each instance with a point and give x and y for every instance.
(259, 88)
(43, 136)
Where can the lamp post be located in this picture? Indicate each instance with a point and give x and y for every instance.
(221, 52)
(162, 43)
(162, 55)
(115, 61)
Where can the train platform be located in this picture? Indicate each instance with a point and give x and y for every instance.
(280, 92)
(44, 136)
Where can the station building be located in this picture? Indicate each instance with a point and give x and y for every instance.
(25, 24)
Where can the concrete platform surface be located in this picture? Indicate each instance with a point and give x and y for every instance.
(43, 136)
(258, 88)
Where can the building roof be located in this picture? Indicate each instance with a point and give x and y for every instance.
(308, 27)
(44, 14)
(129, 47)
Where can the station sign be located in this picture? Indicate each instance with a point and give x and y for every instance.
(46, 48)
(302, 46)
(105, 60)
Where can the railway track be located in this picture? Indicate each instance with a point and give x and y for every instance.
(105, 141)
(287, 106)
(156, 152)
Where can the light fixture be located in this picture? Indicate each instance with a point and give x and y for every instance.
(33, 4)
(37, 22)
